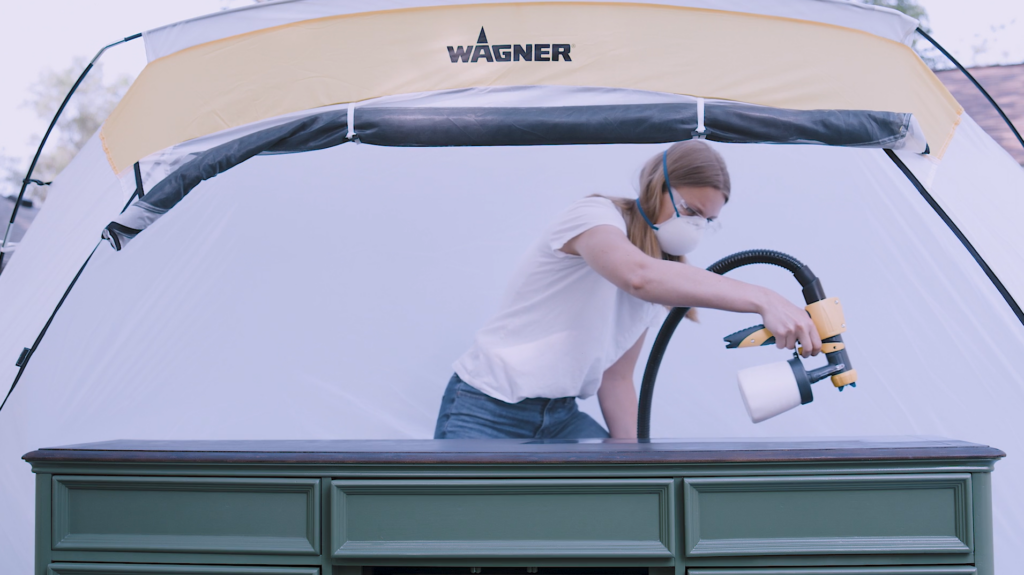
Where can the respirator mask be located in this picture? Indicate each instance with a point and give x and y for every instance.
(681, 234)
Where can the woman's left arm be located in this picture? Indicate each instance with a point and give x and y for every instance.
(617, 395)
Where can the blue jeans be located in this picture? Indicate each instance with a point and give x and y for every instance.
(467, 413)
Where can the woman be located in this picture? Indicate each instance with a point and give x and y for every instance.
(575, 314)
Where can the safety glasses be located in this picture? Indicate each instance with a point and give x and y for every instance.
(707, 224)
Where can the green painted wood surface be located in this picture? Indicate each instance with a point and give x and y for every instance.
(177, 557)
(43, 494)
(983, 536)
(828, 515)
(326, 525)
(504, 518)
(137, 569)
(696, 516)
(214, 515)
(933, 570)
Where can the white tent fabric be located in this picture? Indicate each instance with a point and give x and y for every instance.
(52, 251)
(985, 203)
(333, 305)
(54, 247)
(160, 42)
(325, 294)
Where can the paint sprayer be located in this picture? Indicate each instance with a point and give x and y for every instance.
(774, 388)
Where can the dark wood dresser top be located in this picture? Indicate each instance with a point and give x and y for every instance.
(513, 451)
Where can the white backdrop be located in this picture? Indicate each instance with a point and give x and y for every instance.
(325, 295)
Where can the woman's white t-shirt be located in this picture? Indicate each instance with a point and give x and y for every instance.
(560, 324)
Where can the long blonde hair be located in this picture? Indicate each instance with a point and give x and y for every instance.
(692, 163)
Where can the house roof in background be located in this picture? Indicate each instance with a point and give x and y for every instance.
(1006, 85)
(25, 216)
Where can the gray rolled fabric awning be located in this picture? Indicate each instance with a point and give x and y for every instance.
(731, 122)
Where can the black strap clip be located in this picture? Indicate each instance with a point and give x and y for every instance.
(23, 358)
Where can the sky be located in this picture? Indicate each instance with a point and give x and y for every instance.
(50, 34)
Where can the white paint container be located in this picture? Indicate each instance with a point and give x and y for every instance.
(768, 390)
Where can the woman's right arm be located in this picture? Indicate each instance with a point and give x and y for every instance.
(606, 249)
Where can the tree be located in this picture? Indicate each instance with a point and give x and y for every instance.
(909, 7)
(932, 57)
(84, 114)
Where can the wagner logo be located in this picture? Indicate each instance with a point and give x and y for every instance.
(509, 52)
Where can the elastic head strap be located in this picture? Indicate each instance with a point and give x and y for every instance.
(641, 208)
(664, 168)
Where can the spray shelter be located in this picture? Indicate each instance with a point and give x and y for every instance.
(309, 207)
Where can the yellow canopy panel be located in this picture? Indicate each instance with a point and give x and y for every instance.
(764, 60)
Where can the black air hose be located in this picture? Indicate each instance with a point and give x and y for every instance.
(812, 291)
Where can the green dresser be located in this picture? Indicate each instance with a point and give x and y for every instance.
(879, 506)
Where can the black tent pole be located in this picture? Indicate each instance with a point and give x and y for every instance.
(26, 354)
(991, 100)
(28, 176)
(1007, 296)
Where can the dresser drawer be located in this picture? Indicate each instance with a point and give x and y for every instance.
(503, 518)
(186, 514)
(814, 515)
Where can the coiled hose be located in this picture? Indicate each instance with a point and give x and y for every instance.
(812, 292)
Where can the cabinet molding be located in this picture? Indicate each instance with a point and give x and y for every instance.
(817, 515)
(571, 518)
(141, 569)
(930, 570)
(186, 514)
